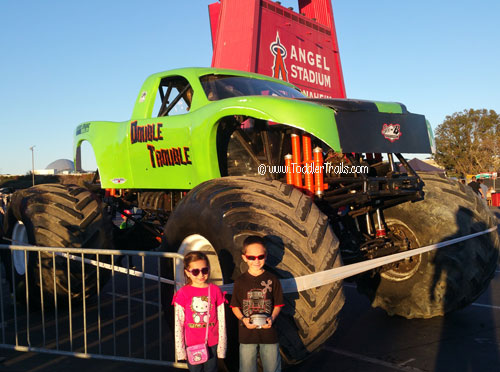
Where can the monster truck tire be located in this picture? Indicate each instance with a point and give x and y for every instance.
(299, 240)
(446, 279)
(54, 215)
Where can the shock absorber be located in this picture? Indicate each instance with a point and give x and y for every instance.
(318, 174)
(289, 170)
(380, 227)
(308, 164)
(297, 176)
(368, 224)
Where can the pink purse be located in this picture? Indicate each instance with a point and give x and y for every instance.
(198, 354)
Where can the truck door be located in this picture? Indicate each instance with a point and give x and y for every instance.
(160, 145)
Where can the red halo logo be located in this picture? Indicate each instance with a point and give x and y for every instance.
(279, 52)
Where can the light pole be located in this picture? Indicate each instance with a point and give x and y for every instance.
(33, 164)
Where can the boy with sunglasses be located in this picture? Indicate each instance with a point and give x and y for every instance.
(257, 294)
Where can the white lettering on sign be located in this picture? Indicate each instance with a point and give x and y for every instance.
(311, 76)
(315, 94)
(306, 74)
(312, 59)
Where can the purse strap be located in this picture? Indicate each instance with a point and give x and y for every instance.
(208, 316)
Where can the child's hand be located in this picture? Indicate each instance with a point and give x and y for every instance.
(269, 323)
(246, 322)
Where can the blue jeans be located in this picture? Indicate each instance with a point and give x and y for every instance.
(210, 365)
(269, 355)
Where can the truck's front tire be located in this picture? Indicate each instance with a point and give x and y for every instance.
(446, 279)
(298, 238)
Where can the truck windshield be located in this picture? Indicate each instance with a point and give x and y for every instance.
(218, 87)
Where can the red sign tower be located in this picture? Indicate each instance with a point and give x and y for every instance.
(263, 36)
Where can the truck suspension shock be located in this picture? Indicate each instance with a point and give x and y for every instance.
(311, 166)
(380, 227)
(297, 176)
(308, 164)
(319, 186)
(289, 170)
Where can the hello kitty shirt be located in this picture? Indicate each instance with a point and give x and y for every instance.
(191, 315)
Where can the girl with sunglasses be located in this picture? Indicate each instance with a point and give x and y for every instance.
(197, 305)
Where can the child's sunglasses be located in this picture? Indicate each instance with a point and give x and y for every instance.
(196, 272)
(252, 258)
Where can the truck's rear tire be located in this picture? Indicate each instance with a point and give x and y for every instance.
(446, 279)
(299, 240)
(54, 215)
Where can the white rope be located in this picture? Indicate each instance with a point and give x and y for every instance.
(116, 268)
(309, 281)
(306, 282)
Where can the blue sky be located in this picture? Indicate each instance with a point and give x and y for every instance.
(66, 62)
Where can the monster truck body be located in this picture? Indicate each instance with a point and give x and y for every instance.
(180, 151)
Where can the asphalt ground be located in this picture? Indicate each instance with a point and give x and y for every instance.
(367, 339)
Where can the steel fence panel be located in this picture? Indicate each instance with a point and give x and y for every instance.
(90, 322)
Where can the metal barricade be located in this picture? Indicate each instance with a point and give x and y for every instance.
(101, 329)
(122, 319)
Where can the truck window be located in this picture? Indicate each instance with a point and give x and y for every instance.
(174, 97)
(218, 87)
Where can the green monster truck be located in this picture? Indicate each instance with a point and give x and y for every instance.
(210, 156)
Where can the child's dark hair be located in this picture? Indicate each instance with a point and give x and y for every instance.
(192, 257)
(252, 239)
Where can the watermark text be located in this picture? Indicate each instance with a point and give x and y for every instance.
(312, 168)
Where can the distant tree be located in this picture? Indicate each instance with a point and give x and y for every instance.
(468, 142)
